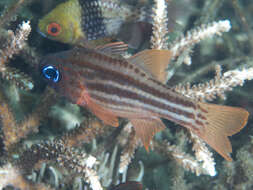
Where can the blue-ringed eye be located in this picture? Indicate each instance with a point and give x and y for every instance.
(51, 73)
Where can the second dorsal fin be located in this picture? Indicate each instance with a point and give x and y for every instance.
(153, 61)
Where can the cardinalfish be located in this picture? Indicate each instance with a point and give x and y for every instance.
(79, 21)
(133, 88)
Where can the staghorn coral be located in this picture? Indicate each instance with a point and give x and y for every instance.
(15, 44)
(217, 86)
(93, 141)
(11, 174)
(14, 131)
(159, 38)
(77, 162)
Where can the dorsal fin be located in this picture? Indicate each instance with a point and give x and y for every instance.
(153, 61)
(146, 128)
(115, 48)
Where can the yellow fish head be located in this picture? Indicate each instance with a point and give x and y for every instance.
(63, 23)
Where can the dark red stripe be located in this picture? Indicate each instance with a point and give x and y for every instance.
(110, 90)
(108, 74)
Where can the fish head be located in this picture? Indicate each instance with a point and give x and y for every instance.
(62, 75)
(62, 24)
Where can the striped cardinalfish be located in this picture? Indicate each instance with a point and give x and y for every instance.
(132, 88)
(78, 21)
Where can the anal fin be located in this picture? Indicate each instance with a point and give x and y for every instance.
(146, 128)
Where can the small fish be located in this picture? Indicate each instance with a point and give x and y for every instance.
(130, 185)
(78, 21)
(133, 88)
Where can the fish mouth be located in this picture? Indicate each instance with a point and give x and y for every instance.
(41, 33)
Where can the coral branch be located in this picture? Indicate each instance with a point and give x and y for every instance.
(88, 130)
(13, 132)
(160, 28)
(75, 162)
(217, 86)
(197, 34)
(203, 155)
(203, 165)
(10, 12)
(129, 149)
(15, 44)
(10, 175)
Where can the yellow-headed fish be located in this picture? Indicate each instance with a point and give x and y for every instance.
(77, 21)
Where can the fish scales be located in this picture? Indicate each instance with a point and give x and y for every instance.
(128, 92)
(92, 19)
(112, 87)
(111, 69)
(134, 88)
(130, 99)
(104, 18)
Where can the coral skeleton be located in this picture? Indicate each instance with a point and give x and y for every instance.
(159, 39)
(217, 86)
(197, 34)
(15, 45)
(129, 149)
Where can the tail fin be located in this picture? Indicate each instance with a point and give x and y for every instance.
(221, 122)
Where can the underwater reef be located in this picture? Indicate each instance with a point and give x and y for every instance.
(47, 142)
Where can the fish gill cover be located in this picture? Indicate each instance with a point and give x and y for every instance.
(47, 142)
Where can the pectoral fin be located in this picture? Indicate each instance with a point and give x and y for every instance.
(103, 114)
(107, 116)
(146, 128)
(153, 61)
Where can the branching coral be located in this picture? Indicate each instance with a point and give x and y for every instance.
(217, 86)
(197, 34)
(15, 44)
(78, 162)
(13, 131)
(159, 39)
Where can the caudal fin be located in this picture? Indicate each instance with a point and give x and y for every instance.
(219, 123)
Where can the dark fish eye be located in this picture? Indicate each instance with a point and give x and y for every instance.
(54, 29)
(51, 73)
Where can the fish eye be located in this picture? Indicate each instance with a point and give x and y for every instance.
(51, 73)
(54, 29)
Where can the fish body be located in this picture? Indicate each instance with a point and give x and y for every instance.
(112, 87)
(77, 21)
